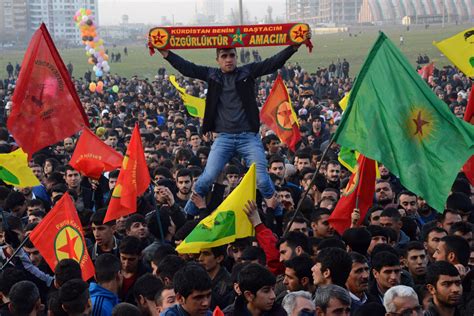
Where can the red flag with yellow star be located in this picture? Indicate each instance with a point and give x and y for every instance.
(278, 114)
(59, 236)
(133, 180)
(359, 193)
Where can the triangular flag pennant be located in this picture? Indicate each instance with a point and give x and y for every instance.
(217, 312)
(92, 156)
(45, 101)
(133, 180)
(278, 114)
(14, 170)
(60, 236)
(359, 193)
(228, 222)
(195, 106)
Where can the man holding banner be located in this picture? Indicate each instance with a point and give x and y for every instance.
(232, 112)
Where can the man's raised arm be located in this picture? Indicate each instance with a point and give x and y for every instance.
(185, 67)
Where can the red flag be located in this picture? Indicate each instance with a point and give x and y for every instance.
(92, 156)
(133, 180)
(217, 312)
(46, 108)
(469, 117)
(278, 114)
(426, 71)
(60, 236)
(361, 187)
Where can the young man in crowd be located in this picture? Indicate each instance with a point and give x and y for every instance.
(193, 289)
(256, 285)
(232, 111)
(104, 293)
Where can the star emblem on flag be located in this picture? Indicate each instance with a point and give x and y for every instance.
(419, 123)
(237, 37)
(284, 116)
(68, 244)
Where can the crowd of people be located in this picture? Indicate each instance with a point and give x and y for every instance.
(406, 259)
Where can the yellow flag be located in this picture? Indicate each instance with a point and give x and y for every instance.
(194, 105)
(14, 170)
(343, 102)
(459, 49)
(228, 222)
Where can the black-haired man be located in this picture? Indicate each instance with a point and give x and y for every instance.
(231, 111)
(104, 293)
(193, 289)
(444, 284)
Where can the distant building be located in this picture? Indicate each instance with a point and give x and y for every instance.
(13, 20)
(210, 11)
(27, 16)
(349, 12)
(302, 10)
(419, 11)
(338, 12)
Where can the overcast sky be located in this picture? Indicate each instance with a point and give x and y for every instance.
(151, 11)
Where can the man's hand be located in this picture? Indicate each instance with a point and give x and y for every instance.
(252, 213)
(273, 201)
(164, 52)
(355, 216)
(198, 200)
(165, 195)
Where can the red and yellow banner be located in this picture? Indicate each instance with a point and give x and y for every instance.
(228, 36)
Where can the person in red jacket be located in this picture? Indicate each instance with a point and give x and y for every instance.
(265, 238)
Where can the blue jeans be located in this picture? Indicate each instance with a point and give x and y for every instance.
(250, 147)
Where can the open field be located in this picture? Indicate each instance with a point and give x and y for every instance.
(327, 48)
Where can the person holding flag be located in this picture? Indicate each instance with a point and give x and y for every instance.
(232, 111)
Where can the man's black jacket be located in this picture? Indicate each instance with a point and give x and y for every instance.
(245, 84)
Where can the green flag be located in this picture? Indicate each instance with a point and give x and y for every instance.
(393, 117)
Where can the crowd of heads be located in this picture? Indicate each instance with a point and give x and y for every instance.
(405, 259)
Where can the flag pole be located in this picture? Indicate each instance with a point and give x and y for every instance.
(300, 202)
(15, 252)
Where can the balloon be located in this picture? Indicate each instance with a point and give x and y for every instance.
(98, 73)
(89, 22)
(99, 89)
(85, 18)
(88, 12)
(115, 88)
(92, 87)
(92, 51)
(100, 84)
(90, 61)
(106, 68)
(94, 68)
